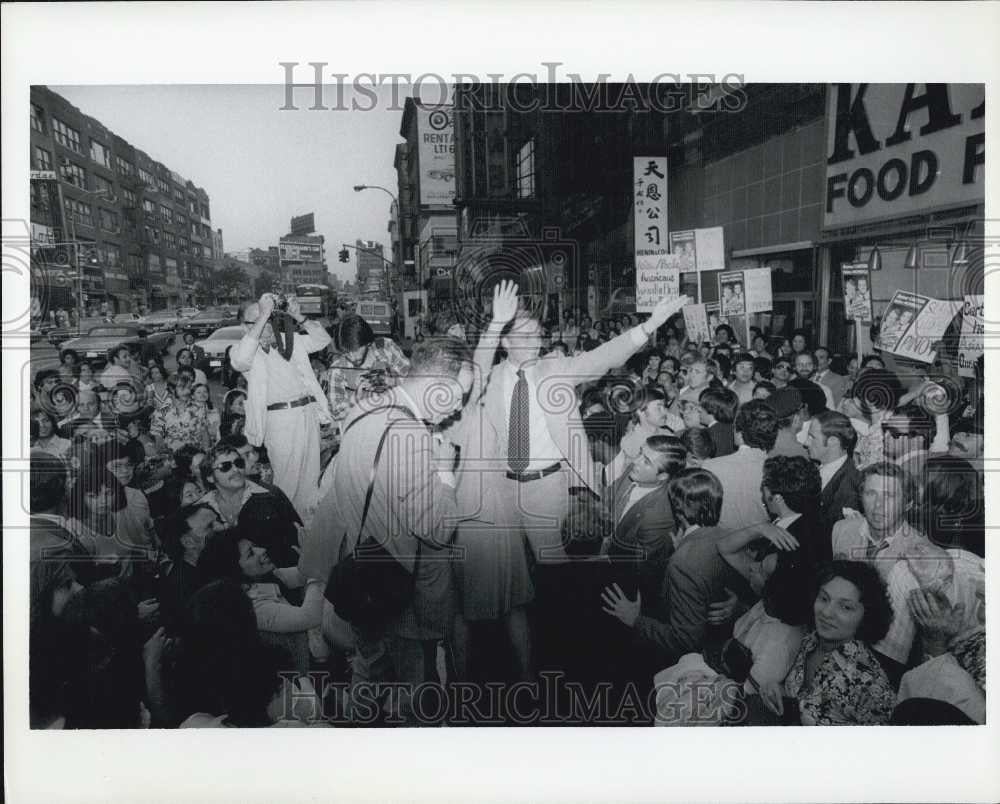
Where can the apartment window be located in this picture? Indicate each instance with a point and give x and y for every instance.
(167, 213)
(204, 211)
(170, 240)
(109, 220)
(153, 234)
(134, 264)
(74, 174)
(79, 212)
(148, 207)
(171, 264)
(40, 195)
(194, 229)
(43, 159)
(128, 199)
(100, 154)
(153, 261)
(179, 196)
(66, 136)
(183, 245)
(124, 167)
(112, 255)
(102, 185)
(146, 178)
(37, 119)
(525, 172)
(163, 186)
(181, 221)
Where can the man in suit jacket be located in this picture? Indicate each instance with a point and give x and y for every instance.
(827, 377)
(640, 506)
(697, 576)
(741, 472)
(790, 491)
(830, 443)
(411, 512)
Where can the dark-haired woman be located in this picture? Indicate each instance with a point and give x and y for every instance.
(836, 679)
(364, 363)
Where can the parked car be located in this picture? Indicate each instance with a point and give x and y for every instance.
(99, 340)
(161, 321)
(187, 312)
(217, 346)
(206, 322)
(59, 335)
(124, 318)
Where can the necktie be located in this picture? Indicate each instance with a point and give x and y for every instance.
(518, 447)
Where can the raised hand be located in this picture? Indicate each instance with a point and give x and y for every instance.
(504, 301)
(266, 305)
(665, 309)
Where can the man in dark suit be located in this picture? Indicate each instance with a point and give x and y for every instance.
(697, 575)
(827, 377)
(830, 443)
(644, 524)
(791, 494)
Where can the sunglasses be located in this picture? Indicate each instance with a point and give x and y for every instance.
(225, 466)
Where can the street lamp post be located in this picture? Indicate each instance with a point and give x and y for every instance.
(359, 188)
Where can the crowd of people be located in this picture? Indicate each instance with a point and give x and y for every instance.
(589, 522)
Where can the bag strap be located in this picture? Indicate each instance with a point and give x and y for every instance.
(378, 455)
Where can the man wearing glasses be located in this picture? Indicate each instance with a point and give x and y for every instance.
(224, 472)
(781, 373)
(285, 405)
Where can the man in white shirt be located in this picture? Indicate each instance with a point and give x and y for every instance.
(119, 367)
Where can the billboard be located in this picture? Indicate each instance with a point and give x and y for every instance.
(436, 155)
(302, 224)
(900, 149)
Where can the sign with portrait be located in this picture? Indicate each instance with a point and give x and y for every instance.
(913, 324)
(683, 245)
(696, 323)
(857, 292)
(732, 293)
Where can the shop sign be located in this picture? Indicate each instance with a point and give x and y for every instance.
(649, 209)
(899, 149)
(436, 154)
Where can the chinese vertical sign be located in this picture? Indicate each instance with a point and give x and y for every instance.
(649, 194)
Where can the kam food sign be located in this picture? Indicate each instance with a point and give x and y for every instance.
(898, 149)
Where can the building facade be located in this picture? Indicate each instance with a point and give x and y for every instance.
(301, 261)
(137, 234)
(793, 174)
(372, 266)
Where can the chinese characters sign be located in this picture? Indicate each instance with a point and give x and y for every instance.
(649, 195)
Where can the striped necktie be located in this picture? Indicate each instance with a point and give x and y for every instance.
(518, 439)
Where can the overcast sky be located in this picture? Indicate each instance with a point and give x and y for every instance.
(260, 166)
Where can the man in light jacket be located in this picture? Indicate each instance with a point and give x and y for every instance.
(285, 405)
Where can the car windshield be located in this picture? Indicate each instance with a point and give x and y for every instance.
(160, 314)
(228, 333)
(109, 332)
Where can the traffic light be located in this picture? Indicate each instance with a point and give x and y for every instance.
(344, 257)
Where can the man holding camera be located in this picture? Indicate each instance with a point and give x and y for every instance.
(285, 405)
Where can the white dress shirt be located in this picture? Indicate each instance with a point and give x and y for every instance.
(544, 451)
(828, 470)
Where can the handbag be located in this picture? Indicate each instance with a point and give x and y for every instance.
(369, 585)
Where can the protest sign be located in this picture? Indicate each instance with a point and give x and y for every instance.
(913, 324)
(970, 344)
(757, 285)
(709, 249)
(683, 244)
(652, 285)
(732, 298)
(857, 292)
(696, 323)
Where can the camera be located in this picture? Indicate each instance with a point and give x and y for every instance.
(280, 303)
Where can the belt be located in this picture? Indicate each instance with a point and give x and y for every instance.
(527, 477)
(295, 403)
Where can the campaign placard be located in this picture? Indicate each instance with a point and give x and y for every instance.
(970, 343)
(652, 285)
(696, 323)
(913, 323)
(757, 285)
(857, 292)
(709, 246)
(683, 244)
(732, 295)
